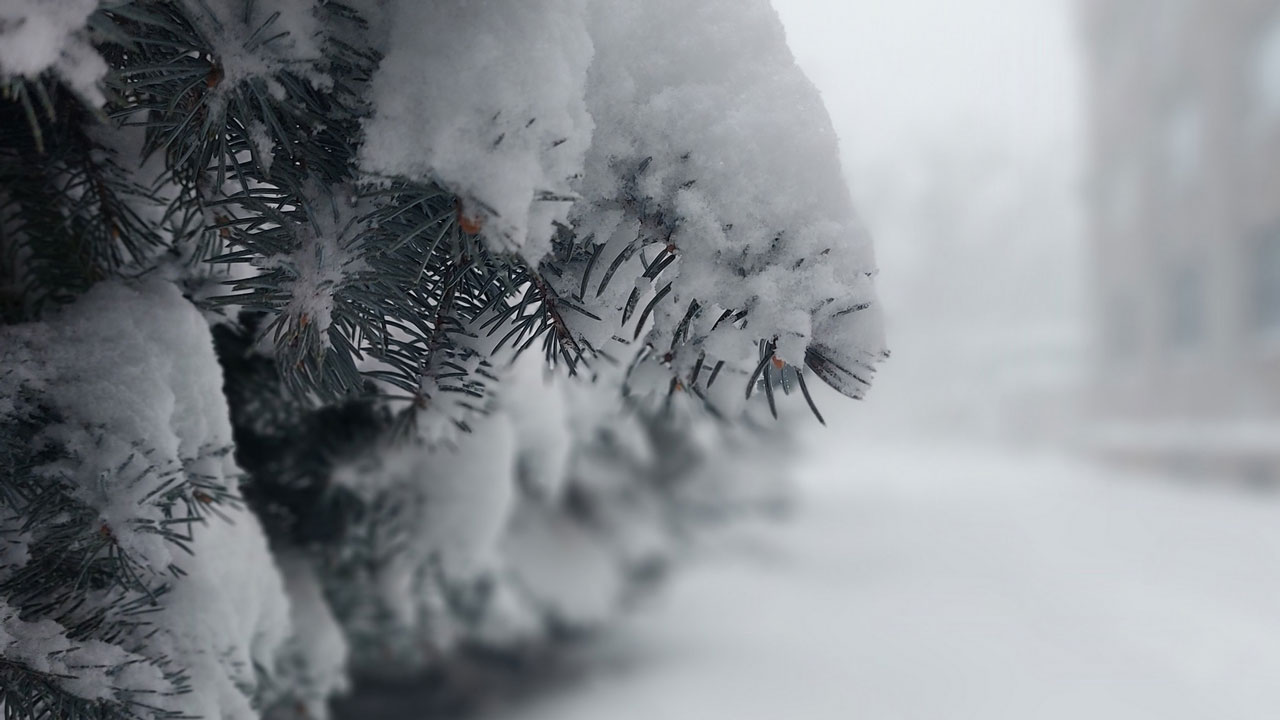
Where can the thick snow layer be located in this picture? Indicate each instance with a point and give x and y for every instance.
(452, 503)
(699, 136)
(469, 492)
(712, 140)
(697, 140)
(315, 662)
(568, 572)
(89, 669)
(487, 97)
(227, 619)
(918, 583)
(132, 375)
(535, 402)
(39, 35)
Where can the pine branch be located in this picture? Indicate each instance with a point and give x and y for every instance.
(73, 211)
(29, 694)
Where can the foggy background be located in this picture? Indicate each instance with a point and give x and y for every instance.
(1058, 501)
(963, 133)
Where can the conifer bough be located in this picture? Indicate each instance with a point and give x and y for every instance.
(281, 283)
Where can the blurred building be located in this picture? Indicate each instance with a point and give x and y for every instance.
(1184, 100)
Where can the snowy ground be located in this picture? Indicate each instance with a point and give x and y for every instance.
(947, 584)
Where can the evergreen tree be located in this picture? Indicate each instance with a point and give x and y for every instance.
(338, 338)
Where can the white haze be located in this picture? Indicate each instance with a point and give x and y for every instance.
(961, 132)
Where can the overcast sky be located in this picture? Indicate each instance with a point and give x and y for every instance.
(960, 126)
(899, 73)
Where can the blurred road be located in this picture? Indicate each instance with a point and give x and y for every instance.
(946, 584)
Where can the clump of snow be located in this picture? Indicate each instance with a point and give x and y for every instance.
(40, 35)
(717, 146)
(566, 571)
(321, 262)
(227, 618)
(130, 373)
(468, 496)
(87, 669)
(255, 39)
(263, 144)
(455, 498)
(488, 547)
(435, 516)
(143, 398)
(314, 667)
(486, 97)
(538, 410)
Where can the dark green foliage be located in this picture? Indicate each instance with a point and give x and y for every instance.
(78, 574)
(289, 447)
(70, 216)
(28, 694)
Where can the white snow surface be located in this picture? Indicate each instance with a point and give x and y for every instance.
(490, 505)
(700, 132)
(315, 663)
(564, 569)
(457, 498)
(38, 35)
(486, 96)
(962, 583)
(743, 153)
(131, 371)
(88, 669)
(148, 393)
(676, 126)
(536, 403)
